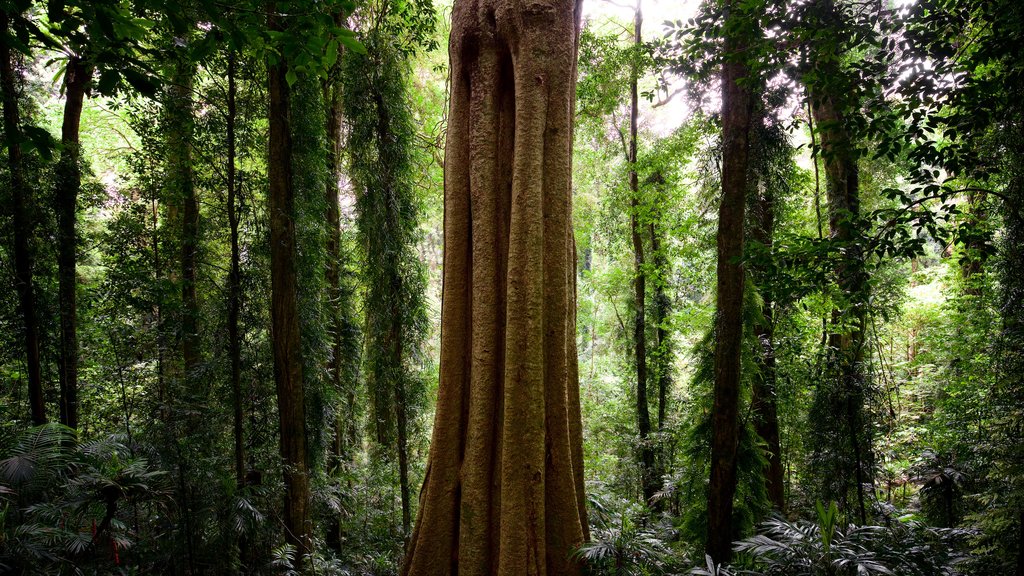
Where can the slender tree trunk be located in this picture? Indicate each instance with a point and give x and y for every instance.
(402, 425)
(69, 182)
(1020, 543)
(663, 363)
(235, 280)
(180, 145)
(846, 345)
(503, 492)
(974, 257)
(21, 212)
(183, 218)
(287, 345)
(736, 108)
(395, 339)
(648, 477)
(764, 403)
(334, 119)
(336, 297)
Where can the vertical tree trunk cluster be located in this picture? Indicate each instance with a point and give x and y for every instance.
(736, 114)
(503, 492)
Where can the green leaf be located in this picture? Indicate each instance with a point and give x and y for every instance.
(331, 54)
(290, 77)
(352, 44)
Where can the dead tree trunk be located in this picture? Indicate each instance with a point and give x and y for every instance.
(503, 492)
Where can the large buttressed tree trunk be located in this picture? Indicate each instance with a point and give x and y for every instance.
(503, 492)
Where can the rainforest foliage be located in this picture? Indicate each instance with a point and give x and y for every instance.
(799, 281)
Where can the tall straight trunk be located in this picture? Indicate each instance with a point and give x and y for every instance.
(402, 436)
(848, 344)
(973, 259)
(21, 212)
(663, 367)
(395, 338)
(764, 403)
(387, 219)
(284, 308)
(847, 397)
(69, 183)
(332, 97)
(736, 107)
(235, 280)
(503, 492)
(183, 218)
(335, 296)
(648, 477)
(184, 191)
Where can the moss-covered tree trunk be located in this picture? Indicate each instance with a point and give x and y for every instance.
(21, 214)
(69, 183)
(846, 398)
(662, 304)
(503, 492)
(736, 108)
(381, 153)
(844, 439)
(181, 189)
(764, 400)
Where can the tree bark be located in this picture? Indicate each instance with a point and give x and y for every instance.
(973, 258)
(184, 191)
(663, 367)
(736, 108)
(287, 345)
(846, 345)
(21, 211)
(69, 183)
(503, 492)
(648, 477)
(235, 279)
(764, 403)
(335, 295)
